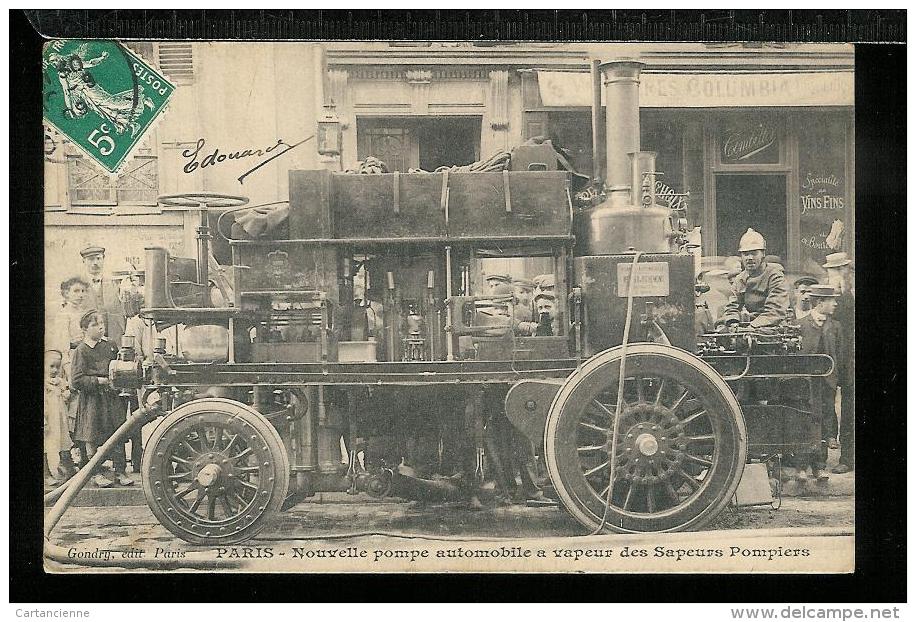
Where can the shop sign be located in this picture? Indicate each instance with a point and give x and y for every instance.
(741, 144)
(672, 198)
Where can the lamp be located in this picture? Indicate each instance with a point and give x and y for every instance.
(330, 132)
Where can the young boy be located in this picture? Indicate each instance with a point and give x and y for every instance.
(57, 434)
(99, 411)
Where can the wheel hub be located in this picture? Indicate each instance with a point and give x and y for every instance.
(650, 447)
(647, 444)
(209, 475)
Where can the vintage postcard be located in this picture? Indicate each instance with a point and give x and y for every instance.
(449, 307)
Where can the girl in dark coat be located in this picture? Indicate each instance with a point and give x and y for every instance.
(98, 412)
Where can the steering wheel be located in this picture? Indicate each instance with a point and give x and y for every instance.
(202, 199)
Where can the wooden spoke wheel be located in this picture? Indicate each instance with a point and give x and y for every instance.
(681, 441)
(215, 471)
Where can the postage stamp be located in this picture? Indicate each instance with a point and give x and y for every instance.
(101, 96)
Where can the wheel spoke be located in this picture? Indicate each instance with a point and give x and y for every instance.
(603, 493)
(650, 498)
(629, 497)
(241, 455)
(692, 417)
(193, 451)
(588, 448)
(175, 458)
(211, 508)
(661, 389)
(605, 409)
(179, 476)
(197, 502)
(693, 484)
(593, 427)
(248, 469)
(184, 493)
(217, 437)
(231, 443)
(227, 507)
(697, 460)
(672, 492)
(679, 401)
(603, 465)
(640, 391)
(246, 484)
(701, 437)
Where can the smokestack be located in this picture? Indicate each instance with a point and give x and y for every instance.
(629, 218)
(621, 84)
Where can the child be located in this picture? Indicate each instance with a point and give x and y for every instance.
(57, 434)
(99, 411)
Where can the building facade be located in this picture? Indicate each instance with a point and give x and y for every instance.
(758, 135)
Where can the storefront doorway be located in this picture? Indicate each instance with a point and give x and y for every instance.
(747, 200)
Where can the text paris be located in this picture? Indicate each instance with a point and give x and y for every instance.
(215, 157)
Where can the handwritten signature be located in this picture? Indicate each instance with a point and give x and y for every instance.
(195, 161)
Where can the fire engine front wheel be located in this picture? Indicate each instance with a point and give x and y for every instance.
(215, 471)
(681, 442)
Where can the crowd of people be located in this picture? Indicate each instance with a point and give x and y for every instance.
(82, 338)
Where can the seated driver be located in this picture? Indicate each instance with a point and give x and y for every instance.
(759, 291)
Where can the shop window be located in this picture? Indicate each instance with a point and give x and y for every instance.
(137, 184)
(824, 197)
(757, 201)
(427, 144)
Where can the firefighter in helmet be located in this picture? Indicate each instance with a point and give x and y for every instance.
(760, 289)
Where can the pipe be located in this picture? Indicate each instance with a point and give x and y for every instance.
(138, 418)
(597, 171)
(449, 320)
(621, 82)
(203, 255)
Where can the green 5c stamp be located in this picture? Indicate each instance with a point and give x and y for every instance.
(101, 96)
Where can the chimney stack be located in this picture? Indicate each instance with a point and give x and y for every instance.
(621, 84)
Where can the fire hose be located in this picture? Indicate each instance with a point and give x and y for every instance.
(621, 378)
(65, 495)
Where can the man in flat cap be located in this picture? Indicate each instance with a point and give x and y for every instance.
(545, 283)
(104, 293)
(801, 302)
(759, 290)
(821, 334)
(494, 280)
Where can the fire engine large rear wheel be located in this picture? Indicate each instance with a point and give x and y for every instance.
(681, 442)
(215, 471)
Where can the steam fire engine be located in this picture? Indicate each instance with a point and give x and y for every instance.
(365, 328)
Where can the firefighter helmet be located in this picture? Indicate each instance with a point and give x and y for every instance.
(751, 241)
